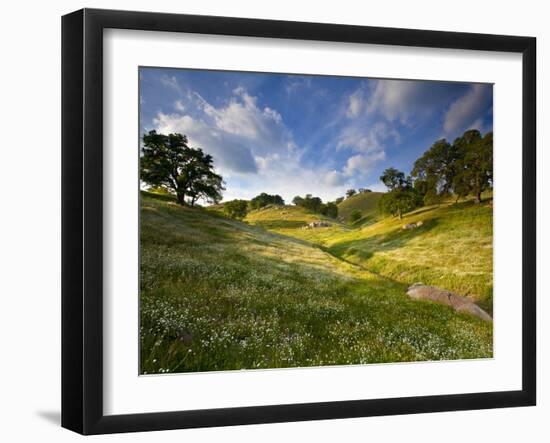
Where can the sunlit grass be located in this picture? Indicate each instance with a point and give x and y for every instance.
(219, 294)
(453, 249)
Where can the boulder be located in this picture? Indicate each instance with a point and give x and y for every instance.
(318, 224)
(419, 291)
(413, 225)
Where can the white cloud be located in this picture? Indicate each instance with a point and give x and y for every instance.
(255, 151)
(287, 177)
(480, 125)
(361, 164)
(171, 82)
(396, 99)
(372, 111)
(243, 117)
(295, 83)
(407, 102)
(228, 151)
(240, 134)
(467, 109)
(356, 103)
(357, 167)
(179, 106)
(363, 136)
(334, 178)
(252, 148)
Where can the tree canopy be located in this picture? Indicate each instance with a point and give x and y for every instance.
(436, 168)
(401, 197)
(265, 199)
(309, 202)
(393, 179)
(350, 193)
(399, 201)
(236, 208)
(474, 168)
(463, 167)
(315, 204)
(168, 162)
(330, 209)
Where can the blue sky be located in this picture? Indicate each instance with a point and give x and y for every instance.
(297, 134)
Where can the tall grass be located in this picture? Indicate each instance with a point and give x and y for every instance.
(453, 249)
(218, 294)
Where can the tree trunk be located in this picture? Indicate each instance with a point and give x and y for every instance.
(457, 197)
(478, 198)
(181, 198)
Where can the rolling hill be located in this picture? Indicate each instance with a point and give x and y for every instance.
(223, 294)
(365, 202)
(453, 249)
(292, 220)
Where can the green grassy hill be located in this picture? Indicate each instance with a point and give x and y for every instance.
(222, 294)
(453, 249)
(289, 219)
(278, 217)
(366, 202)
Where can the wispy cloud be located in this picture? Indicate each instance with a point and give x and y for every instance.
(367, 136)
(356, 103)
(228, 151)
(171, 82)
(235, 134)
(251, 146)
(179, 106)
(243, 117)
(396, 100)
(363, 164)
(296, 83)
(467, 109)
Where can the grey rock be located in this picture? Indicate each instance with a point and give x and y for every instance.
(418, 291)
(318, 224)
(413, 225)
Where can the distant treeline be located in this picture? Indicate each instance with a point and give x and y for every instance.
(315, 204)
(239, 208)
(352, 192)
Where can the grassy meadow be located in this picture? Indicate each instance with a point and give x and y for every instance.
(223, 294)
(453, 249)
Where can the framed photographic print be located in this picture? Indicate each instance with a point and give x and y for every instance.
(269, 221)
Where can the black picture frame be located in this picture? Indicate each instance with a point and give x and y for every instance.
(82, 218)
